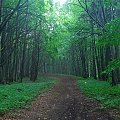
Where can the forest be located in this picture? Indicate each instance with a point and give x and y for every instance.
(62, 37)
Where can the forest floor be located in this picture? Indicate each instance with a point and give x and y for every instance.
(62, 102)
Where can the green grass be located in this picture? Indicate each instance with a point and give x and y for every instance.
(101, 91)
(18, 94)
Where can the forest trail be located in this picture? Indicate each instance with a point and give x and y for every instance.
(63, 102)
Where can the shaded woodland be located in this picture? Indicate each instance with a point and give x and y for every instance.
(79, 37)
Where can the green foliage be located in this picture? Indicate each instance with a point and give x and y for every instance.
(112, 34)
(108, 2)
(112, 66)
(61, 22)
(16, 95)
(101, 91)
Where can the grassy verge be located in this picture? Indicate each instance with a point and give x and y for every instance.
(18, 94)
(101, 91)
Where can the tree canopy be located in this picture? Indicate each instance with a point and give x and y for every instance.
(76, 37)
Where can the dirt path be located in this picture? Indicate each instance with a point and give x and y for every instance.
(63, 102)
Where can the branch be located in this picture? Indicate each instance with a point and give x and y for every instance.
(87, 11)
(3, 24)
(90, 35)
(87, 32)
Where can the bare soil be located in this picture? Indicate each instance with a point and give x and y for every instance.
(63, 102)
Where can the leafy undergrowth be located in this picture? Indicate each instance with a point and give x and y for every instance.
(101, 91)
(17, 95)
